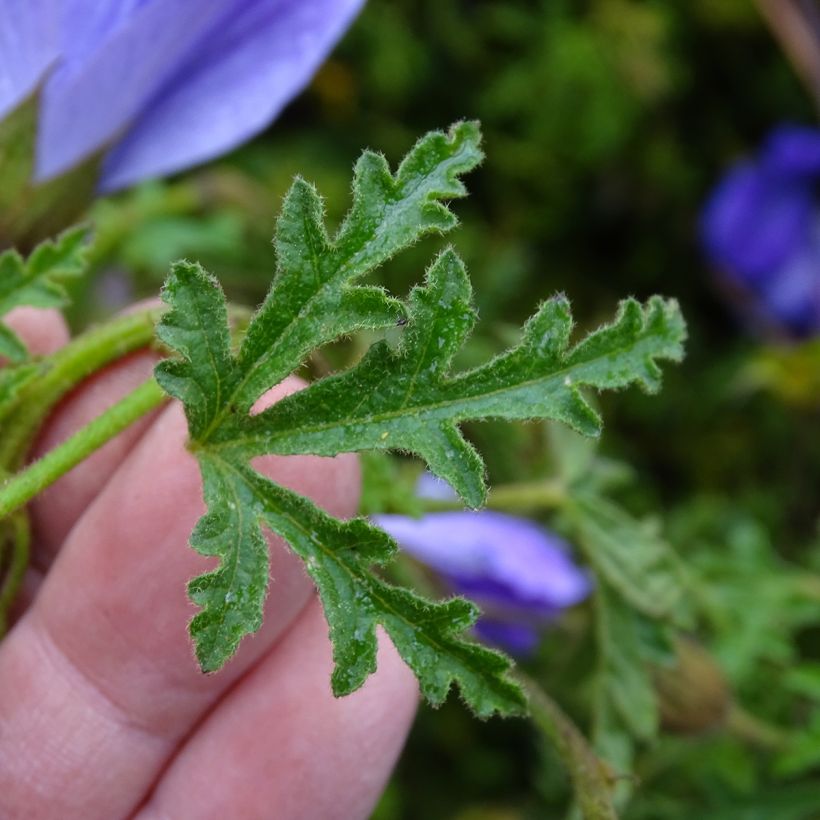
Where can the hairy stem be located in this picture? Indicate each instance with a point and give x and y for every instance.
(63, 371)
(591, 777)
(21, 488)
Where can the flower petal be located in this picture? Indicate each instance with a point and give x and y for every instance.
(754, 222)
(792, 296)
(517, 639)
(792, 151)
(510, 560)
(29, 44)
(434, 488)
(115, 58)
(231, 86)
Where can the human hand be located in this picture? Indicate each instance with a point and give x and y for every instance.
(103, 711)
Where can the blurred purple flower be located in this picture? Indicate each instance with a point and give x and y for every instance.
(519, 574)
(761, 227)
(159, 85)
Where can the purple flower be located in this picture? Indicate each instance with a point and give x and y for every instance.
(158, 85)
(521, 575)
(761, 227)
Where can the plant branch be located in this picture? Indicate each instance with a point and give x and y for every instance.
(84, 355)
(21, 488)
(591, 777)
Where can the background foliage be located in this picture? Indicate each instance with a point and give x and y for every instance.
(606, 123)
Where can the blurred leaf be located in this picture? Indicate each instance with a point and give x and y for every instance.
(631, 556)
(803, 752)
(38, 281)
(388, 485)
(627, 642)
(578, 461)
(625, 708)
(804, 680)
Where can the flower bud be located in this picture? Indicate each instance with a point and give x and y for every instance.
(693, 694)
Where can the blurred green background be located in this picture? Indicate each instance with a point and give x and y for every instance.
(606, 123)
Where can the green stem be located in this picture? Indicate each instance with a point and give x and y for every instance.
(521, 497)
(21, 488)
(70, 365)
(592, 779)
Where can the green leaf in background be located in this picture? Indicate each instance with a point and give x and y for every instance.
(625, 706)
(38, 281)
(401, 399)
(630, 555)
(388, 485)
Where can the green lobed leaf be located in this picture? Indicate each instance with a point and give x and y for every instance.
(338, 556)
(312, 299)
(38, 281)
(406, 400)
(402, 399)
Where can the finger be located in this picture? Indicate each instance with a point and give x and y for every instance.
(43, 331)
(281, 746)
(99, 672)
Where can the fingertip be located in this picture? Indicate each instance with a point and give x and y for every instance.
(395, 676)
(43, 331)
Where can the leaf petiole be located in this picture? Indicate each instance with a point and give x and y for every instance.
(592, 778)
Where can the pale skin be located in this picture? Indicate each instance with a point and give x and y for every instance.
(103, 712)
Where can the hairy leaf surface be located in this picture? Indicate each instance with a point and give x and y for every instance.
(407, 400)
(403, 399)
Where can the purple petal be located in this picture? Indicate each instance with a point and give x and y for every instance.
(792, 295)
(753, 222)
(85, 26)
(517, 639)
(434, 488)
(792, 151)
(500, 599)
(115, 60)
(230, 86)
(29, 44)
(512, 554)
